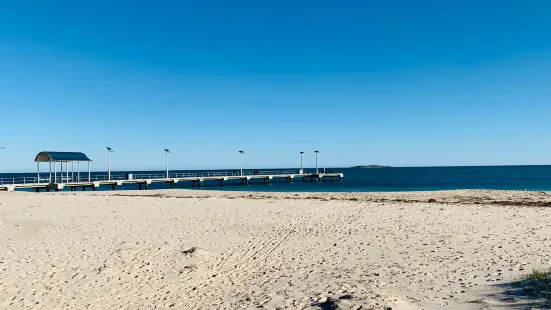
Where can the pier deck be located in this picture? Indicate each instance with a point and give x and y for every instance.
(144, 180)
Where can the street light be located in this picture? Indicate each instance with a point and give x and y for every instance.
(241, 156)
(166, 153)
(109, 151)
(317, 153)
(301, 161)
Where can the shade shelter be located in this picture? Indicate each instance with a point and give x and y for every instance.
(62, 157)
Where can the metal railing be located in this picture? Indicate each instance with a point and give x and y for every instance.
(183, 175)
(96, 178)
(18, 180)
(217, 174)
(272, 172)
(58, 179)
(100, 178)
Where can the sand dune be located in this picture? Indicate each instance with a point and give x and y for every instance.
(221, 250)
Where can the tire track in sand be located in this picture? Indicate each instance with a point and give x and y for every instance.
(259, 251)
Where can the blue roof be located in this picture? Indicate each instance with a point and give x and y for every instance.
(61, 156)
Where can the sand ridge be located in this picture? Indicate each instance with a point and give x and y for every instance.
(229, 250)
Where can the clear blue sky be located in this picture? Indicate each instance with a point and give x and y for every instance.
(365, 82)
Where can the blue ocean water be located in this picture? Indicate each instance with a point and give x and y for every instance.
(532, 178)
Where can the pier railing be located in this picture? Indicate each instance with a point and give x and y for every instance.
(18, 180)
(150, 176)
(247, 173)
(116, 177)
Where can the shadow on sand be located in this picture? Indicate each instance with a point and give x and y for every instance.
(530, 292)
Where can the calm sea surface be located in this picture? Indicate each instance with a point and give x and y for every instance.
(532, 178)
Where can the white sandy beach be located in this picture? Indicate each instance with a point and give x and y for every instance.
(183, 249)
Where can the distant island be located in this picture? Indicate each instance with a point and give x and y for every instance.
(370, 166)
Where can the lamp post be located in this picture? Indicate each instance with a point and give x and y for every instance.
(301, 161)
(109, 151)
(317, 153)
(166, 161)
(241, 157)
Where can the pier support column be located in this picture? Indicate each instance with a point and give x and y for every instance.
(221, 182)
(146, 186)
(93, 188)
(84, 188)
(38, 190)
(113, 187)
(139, 186)
(171, 184)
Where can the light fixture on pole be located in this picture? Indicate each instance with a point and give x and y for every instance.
(301, 161)
(241, 157)
(317, 153)
(109, 151)
(166, 161)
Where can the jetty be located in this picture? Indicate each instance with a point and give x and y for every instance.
(74, 180)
